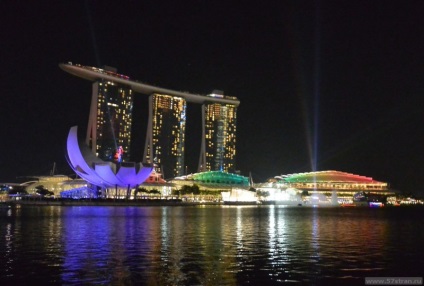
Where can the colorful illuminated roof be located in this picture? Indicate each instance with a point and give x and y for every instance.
(326, 176)
(101, 173)
(217, 177)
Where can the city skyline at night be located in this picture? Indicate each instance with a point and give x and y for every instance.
(323, 85)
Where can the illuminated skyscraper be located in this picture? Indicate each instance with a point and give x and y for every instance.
(218, 149)
(110, 119)
(110, 122)
(165, 138)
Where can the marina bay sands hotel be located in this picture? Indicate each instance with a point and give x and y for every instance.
(110, 122)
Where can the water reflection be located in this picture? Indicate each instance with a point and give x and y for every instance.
(206, 245)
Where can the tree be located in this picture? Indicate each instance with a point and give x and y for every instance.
(142, 190)
(176, 192)
(139, 190)
(195, 189)
(185, 190)
(43, 191)
(154, 191)
(262, 193)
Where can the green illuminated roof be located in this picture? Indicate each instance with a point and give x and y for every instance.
(326, 176)
(218, 177)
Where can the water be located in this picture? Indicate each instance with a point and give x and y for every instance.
(210, 245)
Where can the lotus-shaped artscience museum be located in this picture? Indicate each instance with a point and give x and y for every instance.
(101, 173)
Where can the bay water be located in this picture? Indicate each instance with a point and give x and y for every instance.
(208, 245)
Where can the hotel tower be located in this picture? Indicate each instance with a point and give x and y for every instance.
(218, 148)
(165, 137)
(110, 121)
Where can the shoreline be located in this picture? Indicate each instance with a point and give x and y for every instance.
(108, 202)
(158, 203)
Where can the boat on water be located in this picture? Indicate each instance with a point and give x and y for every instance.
(362, 199)
(348, 205)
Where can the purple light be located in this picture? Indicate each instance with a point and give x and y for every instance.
(103, 174)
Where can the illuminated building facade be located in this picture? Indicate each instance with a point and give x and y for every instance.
(165, 138)
(218, 149)
(322, 187)
(101, 173)
(331, 180)
(110, 120)
(212, 180)
(326, 182)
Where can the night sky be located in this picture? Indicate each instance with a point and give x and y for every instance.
(323, 85)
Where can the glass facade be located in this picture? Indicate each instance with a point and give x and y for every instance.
(166, 134)
(219, 137)
(109, 129)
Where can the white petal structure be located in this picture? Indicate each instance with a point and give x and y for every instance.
(101, 173)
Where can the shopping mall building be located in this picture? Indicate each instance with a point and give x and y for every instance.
(325, 184)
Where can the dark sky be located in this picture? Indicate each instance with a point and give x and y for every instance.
(333, 84)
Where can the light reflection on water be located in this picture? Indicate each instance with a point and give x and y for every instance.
(213, 245)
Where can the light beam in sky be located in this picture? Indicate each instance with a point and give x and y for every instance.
(317, 62)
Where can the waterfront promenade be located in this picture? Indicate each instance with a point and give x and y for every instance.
(108, 202)
(163, 202)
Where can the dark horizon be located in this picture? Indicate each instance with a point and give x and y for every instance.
(325, 85)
